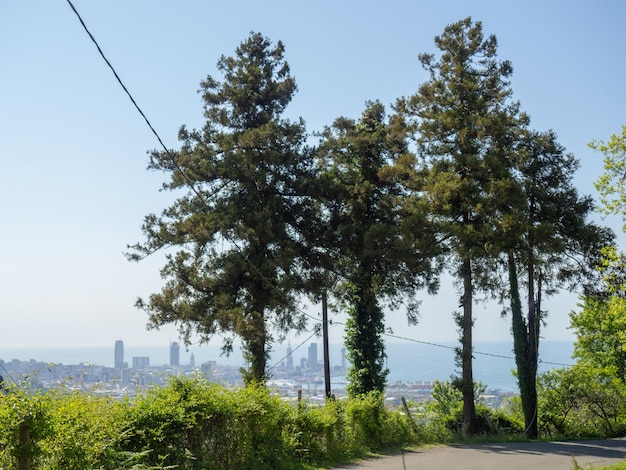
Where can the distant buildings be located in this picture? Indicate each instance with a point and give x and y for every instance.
(174, 354)
(313, 364)
(119, 354)
(141, 362)
(289, 357)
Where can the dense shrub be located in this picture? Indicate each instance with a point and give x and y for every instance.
(192, 424)
(319, 433)
(195, 424)
(24, 422)
(60, 429)
(84, 431)
(581, 402)
(441, 419)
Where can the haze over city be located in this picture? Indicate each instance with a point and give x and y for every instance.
(76, 187)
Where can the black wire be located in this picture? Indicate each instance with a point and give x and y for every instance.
(293, 351)
(117, 76)
(454, 348)
(8, 373)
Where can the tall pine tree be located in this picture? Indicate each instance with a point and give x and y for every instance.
(232, 239)
(463, 119)
(368, 240)
(554, 243)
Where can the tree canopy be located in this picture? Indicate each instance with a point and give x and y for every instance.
(233, 239)
(461, 117)
(554, 244)
(377, 251)
(453, 179)
(611, 184)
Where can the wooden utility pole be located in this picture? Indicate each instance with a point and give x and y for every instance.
(325, 342)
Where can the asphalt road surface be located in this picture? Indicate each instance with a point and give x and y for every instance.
(503, 456)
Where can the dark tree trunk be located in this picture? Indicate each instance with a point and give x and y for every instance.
(254, 335)
(467, 377)
(255, 352)
(525, 358)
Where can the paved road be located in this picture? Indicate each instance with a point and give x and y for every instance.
(503, 456)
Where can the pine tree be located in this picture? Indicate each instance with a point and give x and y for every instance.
(554, 243)
(232, 239)
(369, 244)
(463, 121)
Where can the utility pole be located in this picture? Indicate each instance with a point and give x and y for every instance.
(325, 344)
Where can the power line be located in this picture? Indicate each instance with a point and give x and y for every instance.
(315, 332)
(429, 343)
(8, 373)
(119, 80)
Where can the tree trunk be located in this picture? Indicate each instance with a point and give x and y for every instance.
(255, 353)
(365, 345)
(533, 356)
(467, 378)
(254, 337)
(526, 373)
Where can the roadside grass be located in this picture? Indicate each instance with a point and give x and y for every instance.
(617, 466)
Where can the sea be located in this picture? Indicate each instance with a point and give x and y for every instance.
(407, 361)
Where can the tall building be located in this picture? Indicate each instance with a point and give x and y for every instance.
(174, 354)
(289, 357)
(119, 354)
(192, 361)
(313, 365)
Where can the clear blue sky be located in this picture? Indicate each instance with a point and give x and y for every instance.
(75, 187)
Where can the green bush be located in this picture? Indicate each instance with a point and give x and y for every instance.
(580, 402)
(319, 432)
(441, 419)
(24, 422)
(84, 431)
(373, 427)
(192, 424)
(60, 429)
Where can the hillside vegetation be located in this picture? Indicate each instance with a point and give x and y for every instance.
(194, 424)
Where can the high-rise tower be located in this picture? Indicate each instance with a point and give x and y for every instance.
(289, 357)
(313, 365)
(174, 354)
(119, 354)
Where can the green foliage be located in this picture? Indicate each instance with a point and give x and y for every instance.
(600, 328)
(611, 185)
(581, 402)
(441, 420)
(20, 413)
(320, 434)
(85, 431)
(365, 415)
(463, 122)
(61, 429)
(364, 237)
(233, 240)
(192, 424)
(365, 346)
(612, 268)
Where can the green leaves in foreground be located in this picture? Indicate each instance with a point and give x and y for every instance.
(191, 424)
